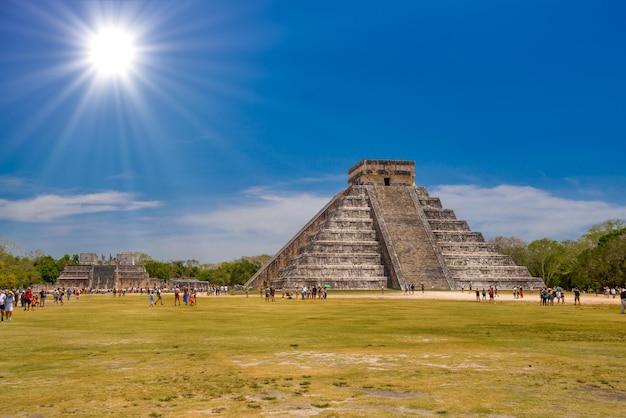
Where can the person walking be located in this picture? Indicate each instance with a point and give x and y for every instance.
(622, 295)
(8, 305)
(28, 299)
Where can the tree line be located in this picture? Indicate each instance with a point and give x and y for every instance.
(37, 267)
(594, 260)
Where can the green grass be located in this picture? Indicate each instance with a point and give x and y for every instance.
(237, 356)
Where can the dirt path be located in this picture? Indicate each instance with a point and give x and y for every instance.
(585, 299)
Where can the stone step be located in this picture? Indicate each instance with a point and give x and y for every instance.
(351, 213)
(336, 283)
(334, 258)
(343, 247)
(479, 260)
(341, 235)
(448, 225)
(466, 248)
(349, 224)
(447, 236)
(338, 270)
(430, 202)
(432, 213)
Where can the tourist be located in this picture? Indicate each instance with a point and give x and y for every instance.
(176, 295)
(272, 294)
(42, 298)
(158, 297)
(192, 298)
(477, 295)
(304, 292)
(622, 296)
(576, 296)
(3, 299)
(151, 299)
(8, 305)
(267, 294)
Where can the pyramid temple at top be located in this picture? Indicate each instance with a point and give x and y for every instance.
(383, 230)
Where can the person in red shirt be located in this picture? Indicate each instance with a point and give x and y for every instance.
(28, 297)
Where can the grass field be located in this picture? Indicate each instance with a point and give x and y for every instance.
(342, 357)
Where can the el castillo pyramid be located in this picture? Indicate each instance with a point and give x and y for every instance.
(383, 230)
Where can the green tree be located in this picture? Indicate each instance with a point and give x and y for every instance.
(593, 235)
(546, 258)
(605, 264)
(158, 270)
(47, 268)
(64, 261)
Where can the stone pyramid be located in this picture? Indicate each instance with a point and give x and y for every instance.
(384, 231)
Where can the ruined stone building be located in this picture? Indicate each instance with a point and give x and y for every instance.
(383, 230)
(115, 273)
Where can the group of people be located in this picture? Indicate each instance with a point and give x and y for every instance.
(189, 296)
(313, 292)
(493, 293)
(548, 295)
(306, 292)
(28, 299)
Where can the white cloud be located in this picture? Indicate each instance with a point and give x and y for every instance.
(525, 212)
(49, 207)
(262, 213)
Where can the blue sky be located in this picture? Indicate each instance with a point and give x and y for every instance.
(237, 121)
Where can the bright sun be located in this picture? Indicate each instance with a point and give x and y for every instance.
(112, 52)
